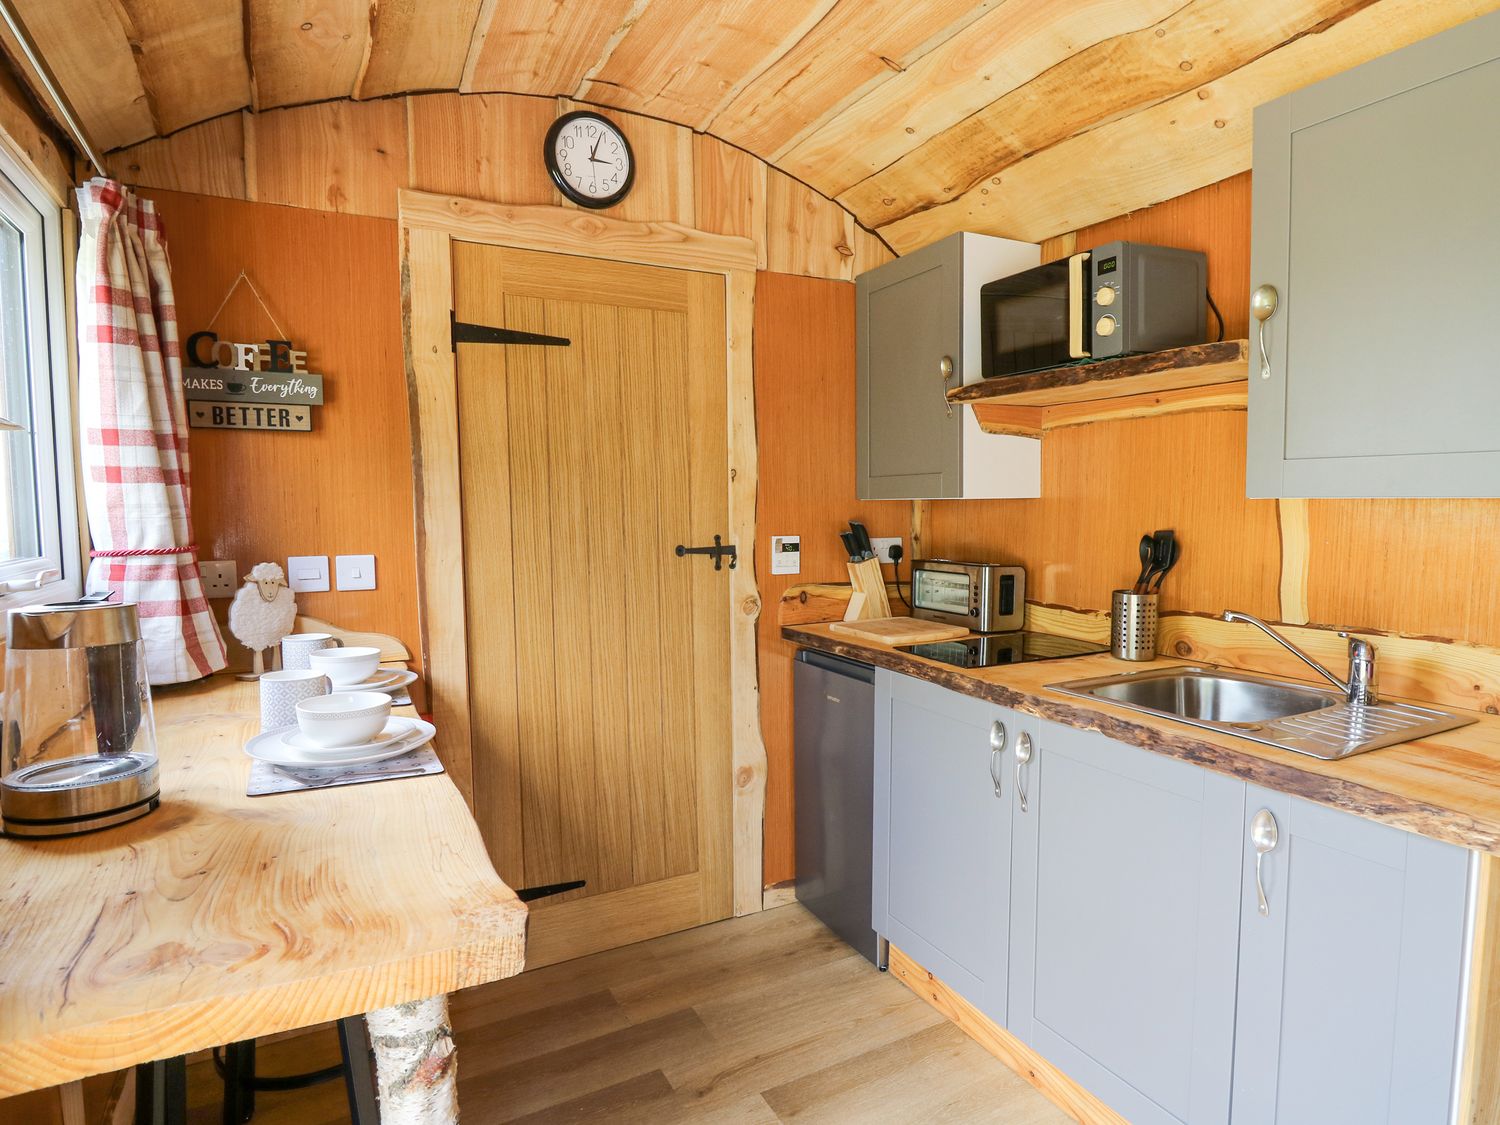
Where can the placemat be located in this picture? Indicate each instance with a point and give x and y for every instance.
(267, 779)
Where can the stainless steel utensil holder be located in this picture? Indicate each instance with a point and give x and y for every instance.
(1132, 625)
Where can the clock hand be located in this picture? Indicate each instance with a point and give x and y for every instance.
(595, 148)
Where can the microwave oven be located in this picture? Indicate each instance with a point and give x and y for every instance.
(1118, 299)
(985, 597)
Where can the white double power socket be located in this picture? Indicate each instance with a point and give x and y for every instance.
(883, 547)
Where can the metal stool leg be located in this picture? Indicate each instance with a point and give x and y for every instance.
(359, 1074)
(161, 1092)
(239, 1082)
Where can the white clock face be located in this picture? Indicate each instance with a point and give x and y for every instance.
(592, 158)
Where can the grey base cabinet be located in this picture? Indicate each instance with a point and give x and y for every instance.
(1124, 922)
(1350, 983)
(1100, 902)
(942, 834)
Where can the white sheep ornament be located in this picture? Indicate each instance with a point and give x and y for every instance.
(262, 612)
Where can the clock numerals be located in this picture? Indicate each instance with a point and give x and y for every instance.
(589, 159)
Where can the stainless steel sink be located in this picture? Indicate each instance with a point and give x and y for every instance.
(1292, 716)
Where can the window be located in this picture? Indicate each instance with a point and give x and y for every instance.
(39, 534)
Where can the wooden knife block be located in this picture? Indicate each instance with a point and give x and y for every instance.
(869, 598)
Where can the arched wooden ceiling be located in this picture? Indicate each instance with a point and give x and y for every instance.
(1019, 117)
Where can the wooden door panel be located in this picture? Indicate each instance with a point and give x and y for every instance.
(599, 666)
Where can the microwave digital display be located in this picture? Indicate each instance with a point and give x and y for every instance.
(1106, 265)
(942, 590)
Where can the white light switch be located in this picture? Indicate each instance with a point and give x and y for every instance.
(354, 572)
(307, 573)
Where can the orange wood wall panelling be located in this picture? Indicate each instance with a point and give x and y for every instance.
(804, 407)
(345, 488)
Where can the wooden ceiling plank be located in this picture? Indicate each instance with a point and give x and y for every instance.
(306, 50)
(1176, 146)
(1202, 41)
(855, 48)
(191, 58)
(417, 45)
(680, 59)
(544, 46)
(208, 159)
(89, 52)
(1000, 52)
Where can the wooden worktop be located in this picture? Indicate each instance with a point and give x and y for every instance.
(222, 917)
(1446, 787)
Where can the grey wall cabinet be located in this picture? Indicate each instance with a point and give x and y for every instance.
(1124, 919)
(1377, 221)
(917, 328)
(942, 833)
(1350, 983)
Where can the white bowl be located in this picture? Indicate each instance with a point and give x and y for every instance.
(346, 718)
(345, 667)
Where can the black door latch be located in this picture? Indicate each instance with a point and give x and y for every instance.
(718, 552)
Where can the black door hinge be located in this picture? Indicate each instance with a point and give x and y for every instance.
(464, 333)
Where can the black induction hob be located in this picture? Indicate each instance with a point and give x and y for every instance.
(987, 650)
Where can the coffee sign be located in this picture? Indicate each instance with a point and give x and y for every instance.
(263, 376)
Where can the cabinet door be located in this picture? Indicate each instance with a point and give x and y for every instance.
(908, 315)
(1349, 989)
(1377, 221)
(1124, 918)
(942, 834)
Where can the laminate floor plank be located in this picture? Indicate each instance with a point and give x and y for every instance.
(937, 1074)
(761, 1020)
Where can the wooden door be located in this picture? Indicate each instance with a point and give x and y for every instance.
(599, 678)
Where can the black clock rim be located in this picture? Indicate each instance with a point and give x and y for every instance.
(549, 155)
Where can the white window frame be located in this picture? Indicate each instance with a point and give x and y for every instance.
(57, 573)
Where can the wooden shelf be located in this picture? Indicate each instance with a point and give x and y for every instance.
(1201, 377)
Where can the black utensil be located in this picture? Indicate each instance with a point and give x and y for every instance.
(1173, 553)
(1148, 550)
(850, 546)
(862, 540)
(1163, 542)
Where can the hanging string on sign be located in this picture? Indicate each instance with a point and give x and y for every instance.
(245, 277)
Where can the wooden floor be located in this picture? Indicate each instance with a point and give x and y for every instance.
(760, 1019)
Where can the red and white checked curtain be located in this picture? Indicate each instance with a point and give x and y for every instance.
(133, 423)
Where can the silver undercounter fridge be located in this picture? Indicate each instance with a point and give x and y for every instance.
(834, 702)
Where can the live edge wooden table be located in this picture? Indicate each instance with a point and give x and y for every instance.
(220, 917)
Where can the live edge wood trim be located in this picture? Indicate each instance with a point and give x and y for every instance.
(1446, 787)
(429, 223)
(1058, 1088)
(1176, 368)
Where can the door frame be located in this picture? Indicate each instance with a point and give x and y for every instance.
(429, 223)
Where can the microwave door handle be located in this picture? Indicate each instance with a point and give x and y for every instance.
(1078, 305)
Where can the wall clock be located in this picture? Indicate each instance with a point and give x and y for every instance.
(589, 159)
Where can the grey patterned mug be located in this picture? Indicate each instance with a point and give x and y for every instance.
(280, 692)
(296, 647)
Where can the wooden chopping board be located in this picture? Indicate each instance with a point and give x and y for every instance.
(899, 630)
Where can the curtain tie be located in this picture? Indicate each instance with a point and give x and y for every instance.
(142, 552)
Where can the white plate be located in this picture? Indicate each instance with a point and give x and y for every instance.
(387, 679)
(401, 735)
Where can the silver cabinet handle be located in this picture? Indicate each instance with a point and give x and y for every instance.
(1263, 838)
(945, 372)
(1023, 755)
(997, 753)
(1262, 307)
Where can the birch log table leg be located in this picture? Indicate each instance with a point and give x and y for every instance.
(415, 1065)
